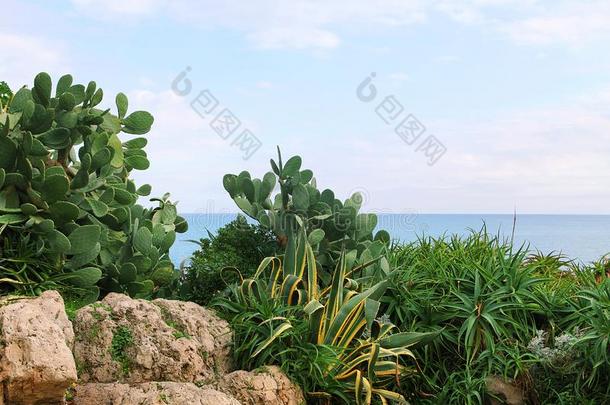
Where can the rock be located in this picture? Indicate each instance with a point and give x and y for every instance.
(213, 333)
(154, 393)
(508, 392)
(36, 363)
(132, 340)
(266, 386)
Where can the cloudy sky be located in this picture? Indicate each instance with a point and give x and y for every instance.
(517, 93)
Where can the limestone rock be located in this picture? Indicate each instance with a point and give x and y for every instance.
(508, 392)
(154, 393)
(36, 363)
(133, 340)
(266, 386)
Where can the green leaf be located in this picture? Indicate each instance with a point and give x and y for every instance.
(42, 88)
(97, 98)
(128, 273)
(117, 159)
(244, 205)
(163, 275)
(78, 90)
(316, 236)
(67, 119)
(167, 242)
(55, 188)
(56, 138)
(84, 238)
(138, 162)
(111, 124)
(121, 103)
(267, 185)
(144, 190)
(408, 339)
(138, 122)
(63, 84)
(291, 167)
(306, 176)
(383, 236)
(181, 225)
(63, 212)
(142, 240)
(229, 182)
(20, 99)
(10, 219)
(98, 208)
(58, 242)
(84, 259)
(140, 288)
(28, 209)
(101, 158)
(85, 277)
(136, 143)
(300, 198)
(8, 153)
(67, 101)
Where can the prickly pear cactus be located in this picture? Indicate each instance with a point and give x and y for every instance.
(64, 183)
(331, 225)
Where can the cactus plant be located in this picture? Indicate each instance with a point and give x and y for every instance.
(331, 225)
(64, 183)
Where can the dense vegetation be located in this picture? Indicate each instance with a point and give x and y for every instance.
(68, 213)
(486, 309)
(223, 259)
(310, 286)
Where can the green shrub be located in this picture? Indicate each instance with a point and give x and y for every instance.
(489, 301)
(237, 245)
(284, 305)
(65, 188)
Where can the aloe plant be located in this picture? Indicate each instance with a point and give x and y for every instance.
(65, 184)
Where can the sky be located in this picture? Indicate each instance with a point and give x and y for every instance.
(507, 101)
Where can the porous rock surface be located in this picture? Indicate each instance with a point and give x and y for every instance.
(153, 393)
(168, 341)
(36, 363)
(127, 351)
(508, 392)
(267, 385)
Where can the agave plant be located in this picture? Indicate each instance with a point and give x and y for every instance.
(342, 316)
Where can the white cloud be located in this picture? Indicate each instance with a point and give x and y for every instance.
(108, 8)
(24, 56)
(269, 24)
(187, 157)
(574, 24)
(296, 38)
(263, 84)
(399, 76)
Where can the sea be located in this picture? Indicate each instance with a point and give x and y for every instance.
(583, 238)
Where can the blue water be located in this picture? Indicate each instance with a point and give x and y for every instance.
(581, 237)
